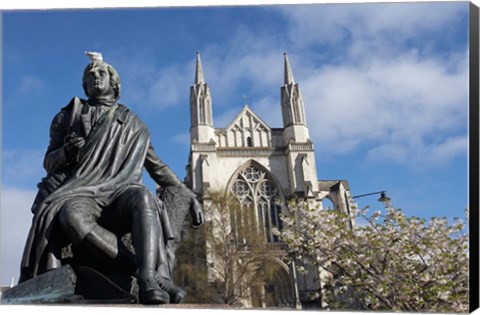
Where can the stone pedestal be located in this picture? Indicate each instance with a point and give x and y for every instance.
(56, 286)
(66, 285)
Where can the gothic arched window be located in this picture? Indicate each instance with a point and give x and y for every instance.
(255, 190)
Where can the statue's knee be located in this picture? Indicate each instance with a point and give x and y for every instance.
(140, 199)
(67, 216)
(76, 213)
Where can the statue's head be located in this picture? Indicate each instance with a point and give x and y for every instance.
(98, 65)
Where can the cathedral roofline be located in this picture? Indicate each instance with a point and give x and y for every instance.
(246, 109)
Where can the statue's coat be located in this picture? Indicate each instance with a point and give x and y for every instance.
(116, 150)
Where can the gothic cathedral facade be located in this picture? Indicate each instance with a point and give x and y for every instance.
(263, 167)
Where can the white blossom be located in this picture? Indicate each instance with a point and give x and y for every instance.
(397, 263)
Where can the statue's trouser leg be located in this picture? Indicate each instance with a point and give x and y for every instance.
(139, 205)
(145, 234)
(78, 218)
(136, 209)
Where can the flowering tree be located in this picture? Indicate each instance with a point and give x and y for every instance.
(385, 261)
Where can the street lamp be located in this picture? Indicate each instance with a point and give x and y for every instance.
(383, 196)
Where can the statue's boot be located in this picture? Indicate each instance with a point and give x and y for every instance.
(150, 292)
(177, 295)
(145, 239)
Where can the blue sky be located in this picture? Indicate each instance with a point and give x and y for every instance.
(385, 88)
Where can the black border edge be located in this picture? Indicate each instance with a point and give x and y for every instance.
(474, 85)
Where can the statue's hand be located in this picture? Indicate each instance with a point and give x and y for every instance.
(73, 143)
(197, 214)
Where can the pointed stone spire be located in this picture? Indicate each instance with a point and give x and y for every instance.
(201, 130)
(199, 79)
(288, 71)
(293, 109)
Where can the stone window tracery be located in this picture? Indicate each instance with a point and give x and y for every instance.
(253, 188)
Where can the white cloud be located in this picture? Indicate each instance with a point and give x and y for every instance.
(169, 87)
(16, 220)
(30, 84)
(147, 82)
(407, 20)
(268, 109)
(423, 156)
(397, 105)
(448, 149)
(390, 23)
(250, 63)
(23, 167)
(389, 152)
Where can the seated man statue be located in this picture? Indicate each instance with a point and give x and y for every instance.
(93, 194)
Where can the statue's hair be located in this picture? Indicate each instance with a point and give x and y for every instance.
(114, 78)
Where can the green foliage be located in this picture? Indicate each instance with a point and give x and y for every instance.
(387, 262)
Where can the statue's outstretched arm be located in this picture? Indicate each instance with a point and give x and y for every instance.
(159, 171)
(164, 177)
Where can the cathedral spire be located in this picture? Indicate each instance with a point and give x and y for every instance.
(288, 71)
(199, 79)
(202, 130)
(293, 109)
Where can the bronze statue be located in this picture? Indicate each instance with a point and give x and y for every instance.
(93, 195)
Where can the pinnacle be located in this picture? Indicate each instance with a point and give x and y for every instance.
(199, 79)
(288, 71)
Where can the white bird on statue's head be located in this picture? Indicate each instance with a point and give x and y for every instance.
(94, 56)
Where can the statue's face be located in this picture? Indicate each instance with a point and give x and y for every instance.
(98, 81)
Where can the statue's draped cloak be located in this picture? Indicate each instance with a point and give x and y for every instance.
(110, 162)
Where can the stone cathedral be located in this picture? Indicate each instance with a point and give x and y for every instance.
(263, 167)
